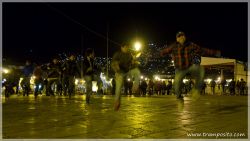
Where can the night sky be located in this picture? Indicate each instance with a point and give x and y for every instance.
(42, 30)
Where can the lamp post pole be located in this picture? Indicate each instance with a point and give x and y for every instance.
(107, 51)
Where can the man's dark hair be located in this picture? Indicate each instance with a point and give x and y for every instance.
(88, 51)
(124, 44)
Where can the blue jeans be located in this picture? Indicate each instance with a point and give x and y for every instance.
(196, 71)
(88, 81)
(119, 80)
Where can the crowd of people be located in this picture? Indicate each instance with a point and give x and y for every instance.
(186, 56)
(55, 77)
(159, 87)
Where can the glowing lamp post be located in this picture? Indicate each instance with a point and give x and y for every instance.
(137, 49)
(137, 46)
(6, 71)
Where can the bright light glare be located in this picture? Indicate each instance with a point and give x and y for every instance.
(137, 46)
(157, 78)
(94, 86)
(218, 80)
(6, 71)
(208, 80)
(185, 80)
(76, 81)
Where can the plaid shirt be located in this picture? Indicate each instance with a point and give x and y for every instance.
(183, 55)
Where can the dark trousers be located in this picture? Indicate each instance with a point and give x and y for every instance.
(68, 85)
(37, 83)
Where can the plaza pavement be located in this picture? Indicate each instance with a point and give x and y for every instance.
(155, 117)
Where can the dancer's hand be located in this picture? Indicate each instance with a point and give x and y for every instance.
(115, 66)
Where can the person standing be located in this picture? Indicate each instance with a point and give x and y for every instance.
(187, 58)
(150, 87)
(144, 86)
(38, 79)
(232, 87)
(163, 87)
(27, 73)
(70, 69)
(54, 77)
(89, 70)
(223, 85)
(212, 84)
(238, 87)
(242, 86)
(169, 87)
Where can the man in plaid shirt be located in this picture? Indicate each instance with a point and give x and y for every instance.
(187, 58)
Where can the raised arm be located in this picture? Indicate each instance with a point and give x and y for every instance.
(166, 50)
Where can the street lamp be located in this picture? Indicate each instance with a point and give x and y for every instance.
(137, 46)
(137, 49)
(6, 71)
(157, 78)
(141, 77)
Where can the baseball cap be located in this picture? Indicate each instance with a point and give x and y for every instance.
(178, 34)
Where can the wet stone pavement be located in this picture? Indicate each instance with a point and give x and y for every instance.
(155, 117)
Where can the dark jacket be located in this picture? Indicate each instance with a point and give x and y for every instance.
(89, 66)
(28, 70)
(54, 70)
(124, 60)
(70, 68)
